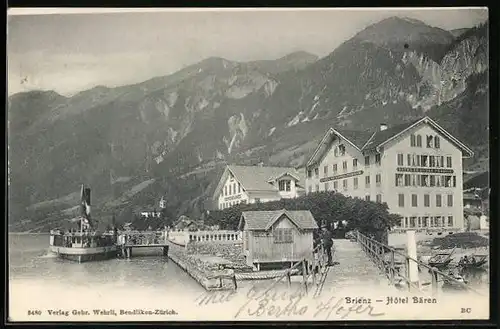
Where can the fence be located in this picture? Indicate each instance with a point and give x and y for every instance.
(378, 253)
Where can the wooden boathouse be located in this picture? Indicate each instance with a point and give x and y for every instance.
(277, 239)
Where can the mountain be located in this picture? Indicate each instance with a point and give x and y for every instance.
(458, 32)
(172, 135)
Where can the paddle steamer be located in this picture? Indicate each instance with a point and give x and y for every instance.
(86, 243)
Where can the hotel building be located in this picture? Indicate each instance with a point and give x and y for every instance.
(416, 168)
(252, 184)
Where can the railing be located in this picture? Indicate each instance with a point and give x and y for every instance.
(131, 238)
(214, 236)
(377, 252)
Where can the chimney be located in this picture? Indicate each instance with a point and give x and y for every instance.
(383, 126)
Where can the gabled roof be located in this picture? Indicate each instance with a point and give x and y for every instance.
(380, 136)
(263, 220)
(293, 174)
(367, 141)
(256, 178)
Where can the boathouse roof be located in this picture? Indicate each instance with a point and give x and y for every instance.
(263, 220)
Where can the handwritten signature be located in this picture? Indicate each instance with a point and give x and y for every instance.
(278, 304)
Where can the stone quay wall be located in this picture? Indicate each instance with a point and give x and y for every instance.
(200, 271)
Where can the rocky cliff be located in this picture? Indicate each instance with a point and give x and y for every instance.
(176, 131)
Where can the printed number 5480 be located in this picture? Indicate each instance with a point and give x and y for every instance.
(34, 312)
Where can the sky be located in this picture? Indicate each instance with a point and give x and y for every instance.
(75, 51)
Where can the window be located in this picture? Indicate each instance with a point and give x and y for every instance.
(341, 150)
(344, 184)
(424, 221)
(239, 188)
(412, 140)
(408, 160)
(407, 180)
(454, 181)
(423, 160)
(234, 188)
(334, 168)
(367, 181)
(406, 221)
(379, 198)
(401, 200)
(432, 161)
(283, 235)
(429, 141)
(450, 200)
(427, 200)
(414, 200)
(448, 162)
(436, 142)
(336, 152)
(378, 179)
(424, 180)
(317, 187)
(438, 181)
(355, 183)
(419, 141)
(413, 180)
(367, 198)
(419, 224)
(438, 160)
(432, 180)
(344, 165)
(327, 186)
(335, 185)
(316, 172)
(284, 185)
(442, 161)
(377, 158)
(412, 221)
(450, 220)
(400, 159)
(354, 163)
(309, 173)
(438, 200)
(367, 160)
(399, 179)
(325, 170)
(225, 190)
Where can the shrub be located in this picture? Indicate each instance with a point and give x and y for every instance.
(370, 218)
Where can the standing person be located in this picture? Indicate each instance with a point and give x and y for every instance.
(327, 241)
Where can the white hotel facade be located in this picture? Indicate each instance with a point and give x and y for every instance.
(254, 184)
(415, 168)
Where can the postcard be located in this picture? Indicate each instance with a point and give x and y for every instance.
(256, 164)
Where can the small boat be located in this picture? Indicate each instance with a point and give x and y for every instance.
(473, 261)
(454, 282)
(85, 244)
(441, 260)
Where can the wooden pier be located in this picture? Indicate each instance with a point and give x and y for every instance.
(129, 240)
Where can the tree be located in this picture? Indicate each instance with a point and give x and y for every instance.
(370, 218)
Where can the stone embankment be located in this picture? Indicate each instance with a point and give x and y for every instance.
(202, 267)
